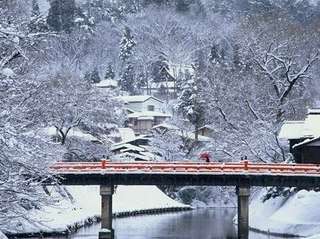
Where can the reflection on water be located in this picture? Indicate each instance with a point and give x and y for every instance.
(204, 224)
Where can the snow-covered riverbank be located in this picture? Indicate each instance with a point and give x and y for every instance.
(86, 204)
(297, 215)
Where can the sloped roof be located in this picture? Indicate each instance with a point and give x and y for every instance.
(126, 134)
(291, 130)
(147, 114)
(137, 98)
(107, 83)
(308, 128)
(306, 142)
(157, 85)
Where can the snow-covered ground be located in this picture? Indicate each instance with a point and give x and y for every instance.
(296, 215)
(2, 236)
(86, 204)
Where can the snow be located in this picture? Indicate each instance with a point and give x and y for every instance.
(166, 126)
(107, 83)
(126, 134)
(291, 130)
(158, 85)
(310, 127)
(126, 147)
(52, 131)
(147, 114)
(305, 142)
(2, 236)
(7, 72)
(137, 98)
(295, 215)
(86, 204)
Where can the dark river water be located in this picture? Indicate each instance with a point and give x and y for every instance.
(196, 224)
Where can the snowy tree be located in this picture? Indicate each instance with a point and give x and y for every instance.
(168, 146)
(35, 11)
(192, 107)
(109, 73)
(127, 79)
(286, 75)
(61, 15)
(24, 156)
(72, 103)
(95, 77)
(127, 45)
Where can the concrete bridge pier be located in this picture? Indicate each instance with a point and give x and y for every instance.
(243, 193)
(106, 231)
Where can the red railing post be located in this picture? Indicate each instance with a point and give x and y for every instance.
(245, 164)
(103, 163)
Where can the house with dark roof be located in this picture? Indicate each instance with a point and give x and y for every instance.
(304, 137)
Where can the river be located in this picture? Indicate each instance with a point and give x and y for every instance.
(204, 224)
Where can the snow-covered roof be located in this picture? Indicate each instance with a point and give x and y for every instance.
(174, 69)
(312, 123)
(182, 133)
(207, 126)
(137, 98)
(306, 142)
(127, 146)
(126, 134)
(166, 126)
(309, 128)
(158, 85)
(191, 135)
(291, 130)
(107, 83)
(134, 156)
(140, 137)
(147, 115)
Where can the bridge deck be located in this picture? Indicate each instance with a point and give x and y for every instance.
(187, 173)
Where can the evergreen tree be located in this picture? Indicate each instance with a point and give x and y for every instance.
(37, 22)
(127, 79)
(182, 5)
(109, 73)
(127, 45)
(61, 15)
(35, 10)
(95, 77)
(87, 76)
(191, 105)
(160, 70)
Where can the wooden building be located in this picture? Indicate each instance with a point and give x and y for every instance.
(304, 137)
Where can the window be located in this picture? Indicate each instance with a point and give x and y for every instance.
(150, 107)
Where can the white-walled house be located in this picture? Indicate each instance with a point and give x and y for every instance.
(144, 112)
(140, 103)
(142, 122)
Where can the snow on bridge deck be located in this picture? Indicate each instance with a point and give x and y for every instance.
(187, 173)
(184, 167)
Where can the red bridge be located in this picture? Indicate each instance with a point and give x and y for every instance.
(242, 174)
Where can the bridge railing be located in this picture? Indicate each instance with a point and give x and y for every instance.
(183, 166)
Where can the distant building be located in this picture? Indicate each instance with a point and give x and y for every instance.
(164, 128)
(168, 88)
(144, 112)
(206, 130)
(133, 150)
(304, 137)
(140, 103)
(142, 122)
(107, 84)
